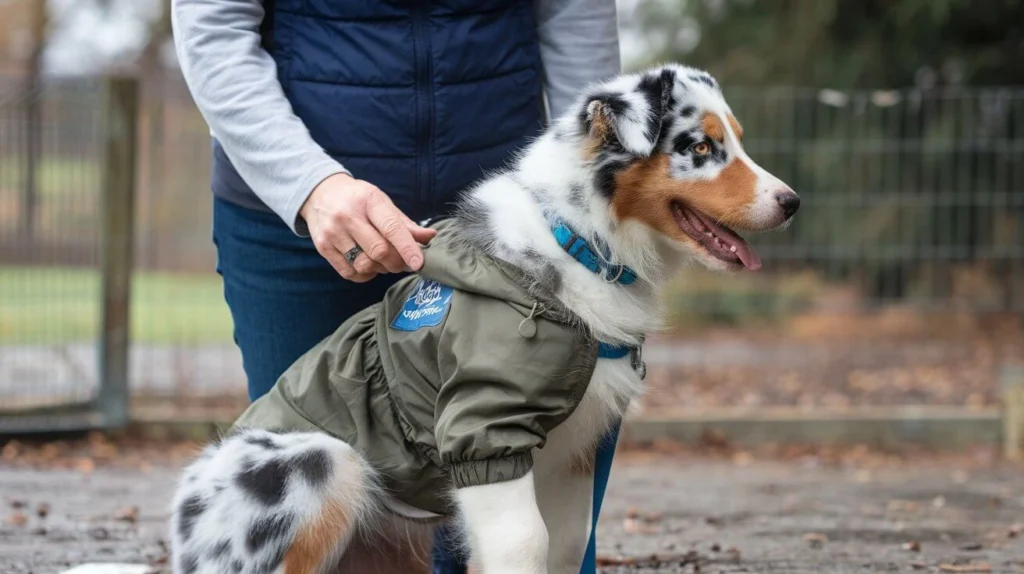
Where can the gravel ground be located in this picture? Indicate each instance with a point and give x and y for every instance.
(664, 513)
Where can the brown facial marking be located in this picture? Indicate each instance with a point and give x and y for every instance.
(644, 191)
(735, 125)
(316, 540)
(713, 127)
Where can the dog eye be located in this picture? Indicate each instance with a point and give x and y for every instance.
(701, 148)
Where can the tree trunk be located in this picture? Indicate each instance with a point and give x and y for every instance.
(32, 102)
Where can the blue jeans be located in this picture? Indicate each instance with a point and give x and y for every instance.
(285, 298)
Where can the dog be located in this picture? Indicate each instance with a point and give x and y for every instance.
(645, 175)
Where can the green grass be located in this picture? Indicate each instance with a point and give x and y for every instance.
(59, 305)
(58, 176)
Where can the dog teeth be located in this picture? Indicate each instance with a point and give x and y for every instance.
(708, 233)
(733, 249)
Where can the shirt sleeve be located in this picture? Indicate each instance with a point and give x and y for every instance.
(579, 45)
(501, 393)
(233, 81)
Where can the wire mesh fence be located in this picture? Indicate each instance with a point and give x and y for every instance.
(899, 282)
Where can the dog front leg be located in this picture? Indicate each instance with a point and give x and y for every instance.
(504, 527)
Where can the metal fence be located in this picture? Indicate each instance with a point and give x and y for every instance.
(899, 282)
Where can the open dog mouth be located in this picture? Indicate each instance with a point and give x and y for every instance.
(716, 238)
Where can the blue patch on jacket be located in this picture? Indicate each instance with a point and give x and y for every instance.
(425, 307)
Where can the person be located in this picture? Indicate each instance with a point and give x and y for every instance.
(336, 126)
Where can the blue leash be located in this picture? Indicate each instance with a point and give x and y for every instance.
(602, 472)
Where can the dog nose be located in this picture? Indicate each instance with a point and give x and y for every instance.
(789, 201)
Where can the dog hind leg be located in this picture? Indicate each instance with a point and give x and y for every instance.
(271, 503)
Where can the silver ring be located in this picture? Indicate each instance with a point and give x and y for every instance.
(351, 254)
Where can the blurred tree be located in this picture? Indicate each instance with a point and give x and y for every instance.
(842, 43)
(913, 181)
(32, 100)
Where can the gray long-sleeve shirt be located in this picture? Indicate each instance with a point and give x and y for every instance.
(234, 83)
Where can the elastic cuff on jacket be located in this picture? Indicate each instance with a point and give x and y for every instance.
(477, 472)
(317, 174)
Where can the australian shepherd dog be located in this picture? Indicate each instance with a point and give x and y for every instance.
(650, 166)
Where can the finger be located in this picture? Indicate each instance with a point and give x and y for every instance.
(334, 251)
(376, 248)
(338, 262)
(391, 223)
(419, 233)
(422, 235)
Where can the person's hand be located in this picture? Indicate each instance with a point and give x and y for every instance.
(343, 212)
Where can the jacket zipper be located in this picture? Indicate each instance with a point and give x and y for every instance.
(425, 106)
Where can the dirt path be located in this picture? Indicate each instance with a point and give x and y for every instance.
(791, 517)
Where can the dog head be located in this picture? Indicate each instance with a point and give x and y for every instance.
(667, 152)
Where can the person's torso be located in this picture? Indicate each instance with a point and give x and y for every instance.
(418, 98)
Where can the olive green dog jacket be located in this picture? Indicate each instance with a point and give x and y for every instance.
(451, 380)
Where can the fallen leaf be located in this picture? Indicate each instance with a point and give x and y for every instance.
(17, 504)
(634, 526)
(11, 450)
(1015, 530)
(128, 514)
(913, 546)
(43, 510)
(743, 458)
(17, 519)
(85, 465)
(99, 533)
(815, 539)
(979, 567)
(972, 547)
(918, 565)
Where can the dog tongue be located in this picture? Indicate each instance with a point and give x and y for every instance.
(748, 257)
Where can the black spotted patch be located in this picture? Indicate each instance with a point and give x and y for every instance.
(266, 530)
(236, 566)
(705, 79)
(551, 278)
(652, 89)
(190, 510)
(682, 142)
(604, 179)
(577, 195)
(262, 441)
(688, 111)
(266, 482)
(220, 549)
(189, 563)
(314, 465)
(272, 560)
(666, 129)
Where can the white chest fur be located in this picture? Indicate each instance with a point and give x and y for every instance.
(613, 386)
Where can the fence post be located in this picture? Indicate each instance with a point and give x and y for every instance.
(1012, 382)
(120, 125)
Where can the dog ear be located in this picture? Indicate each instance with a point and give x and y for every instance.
(631, 120)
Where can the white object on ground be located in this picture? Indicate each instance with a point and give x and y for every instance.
(102, 568)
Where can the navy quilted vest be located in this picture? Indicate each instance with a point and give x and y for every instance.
(418, 98)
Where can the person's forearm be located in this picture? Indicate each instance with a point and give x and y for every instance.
(579, 44)
(234, 83)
